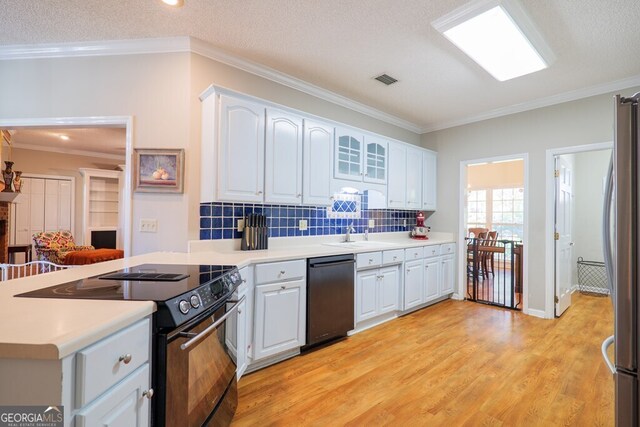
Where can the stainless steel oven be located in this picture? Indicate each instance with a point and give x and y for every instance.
(195, 376)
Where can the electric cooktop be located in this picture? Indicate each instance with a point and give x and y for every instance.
(181, 292)
(147, 282)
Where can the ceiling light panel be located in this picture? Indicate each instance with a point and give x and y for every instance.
(499, 36)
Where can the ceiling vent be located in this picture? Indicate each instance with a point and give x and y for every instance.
(386, 79)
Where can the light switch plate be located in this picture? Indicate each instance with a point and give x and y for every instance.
(149, 225)
(372, 223)
(240, 225)
(302, 224)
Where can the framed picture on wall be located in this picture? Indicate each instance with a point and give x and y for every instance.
(158, 170)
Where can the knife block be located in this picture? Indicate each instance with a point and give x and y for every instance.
(255, 233)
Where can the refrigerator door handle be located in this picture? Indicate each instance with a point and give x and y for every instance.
(606, 229)
(605, 346)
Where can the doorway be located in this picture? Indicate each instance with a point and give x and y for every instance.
(493, 231)
(79, 146)
(575, 191)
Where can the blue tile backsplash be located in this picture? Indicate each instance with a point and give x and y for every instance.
(219, 220)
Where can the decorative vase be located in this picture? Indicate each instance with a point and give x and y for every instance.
(17, 182)
(7, 175)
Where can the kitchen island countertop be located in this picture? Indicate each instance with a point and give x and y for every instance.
(48, 328)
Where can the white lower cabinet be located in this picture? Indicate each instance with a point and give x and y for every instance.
(432, 278)
(236, 330)
(280, 317)
(413, 283)
(377, 292)
(389, 289)
(123, 405)
(447, 279)
(367, 294)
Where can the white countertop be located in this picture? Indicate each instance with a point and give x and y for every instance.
(48, 328)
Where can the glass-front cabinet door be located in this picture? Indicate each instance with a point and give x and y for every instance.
(349, 154)
(359, 157)
(375, 160)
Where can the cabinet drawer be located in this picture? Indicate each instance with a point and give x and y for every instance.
(103, 364)
(413, 253)
(369, 259)
(430, 251)
(279, 271)
(448, 248)
(393, 257)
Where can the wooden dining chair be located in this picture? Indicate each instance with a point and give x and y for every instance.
(478, 235)
(487, 257)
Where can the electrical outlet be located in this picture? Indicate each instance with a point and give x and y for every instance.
(372, 223)
(149, 225)
(240, 224)
(404, 222)
(302, 224)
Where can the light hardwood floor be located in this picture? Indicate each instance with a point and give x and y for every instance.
(456, 363)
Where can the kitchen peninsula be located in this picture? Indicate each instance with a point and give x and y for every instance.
(46, 344)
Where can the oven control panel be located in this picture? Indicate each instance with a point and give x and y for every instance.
(193, 303)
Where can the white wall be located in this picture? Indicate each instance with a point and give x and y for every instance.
(161, 92)
(590, 170)
(585, 121)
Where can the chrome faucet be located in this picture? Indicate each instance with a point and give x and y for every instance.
(350, 229)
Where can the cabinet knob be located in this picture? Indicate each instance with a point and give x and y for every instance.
(283, 287)
(244, 280)
(408, 271)
(395, 258)
(426, 266)
(258, 192)
(239, 311)
(148, 393)
(126, 358)
(282, 272)
(299, 195)
(370, 260)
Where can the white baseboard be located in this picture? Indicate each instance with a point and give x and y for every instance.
(370, 323)
(536, 313)
(256, 365)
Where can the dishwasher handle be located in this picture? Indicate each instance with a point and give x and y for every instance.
(331, 263)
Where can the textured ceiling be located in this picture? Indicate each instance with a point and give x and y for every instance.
(95, 140)
(341, 45)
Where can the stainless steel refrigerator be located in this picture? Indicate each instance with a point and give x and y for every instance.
(622, 258)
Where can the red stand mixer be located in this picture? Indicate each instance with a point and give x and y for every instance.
(420, 231)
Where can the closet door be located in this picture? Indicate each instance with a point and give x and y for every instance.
(22, 214)
(36, 209)
(64, 205)
(51, 205)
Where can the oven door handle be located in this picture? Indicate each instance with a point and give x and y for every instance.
(215, 324)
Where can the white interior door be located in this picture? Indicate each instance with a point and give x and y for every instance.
(564, 244)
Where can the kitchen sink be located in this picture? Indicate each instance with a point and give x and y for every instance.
(361, 244)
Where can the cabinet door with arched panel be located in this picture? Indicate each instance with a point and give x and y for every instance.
(349, 150)
(375, 160)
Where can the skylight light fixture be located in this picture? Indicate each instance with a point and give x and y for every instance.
(499, 36)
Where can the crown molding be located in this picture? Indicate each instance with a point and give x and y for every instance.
(193, 45)
(560, 98)
(208, 51)
(95, 48)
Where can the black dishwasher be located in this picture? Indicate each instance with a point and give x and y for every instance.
(330, 295)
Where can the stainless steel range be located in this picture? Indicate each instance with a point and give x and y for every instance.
(193, 376)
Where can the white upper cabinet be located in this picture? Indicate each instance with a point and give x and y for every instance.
(241, 150)
(397, 185)
(283, 158)
(359, 157)
(349, 152)
(318, 149)
(414, 178)
(375, 160)
(429, 180)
